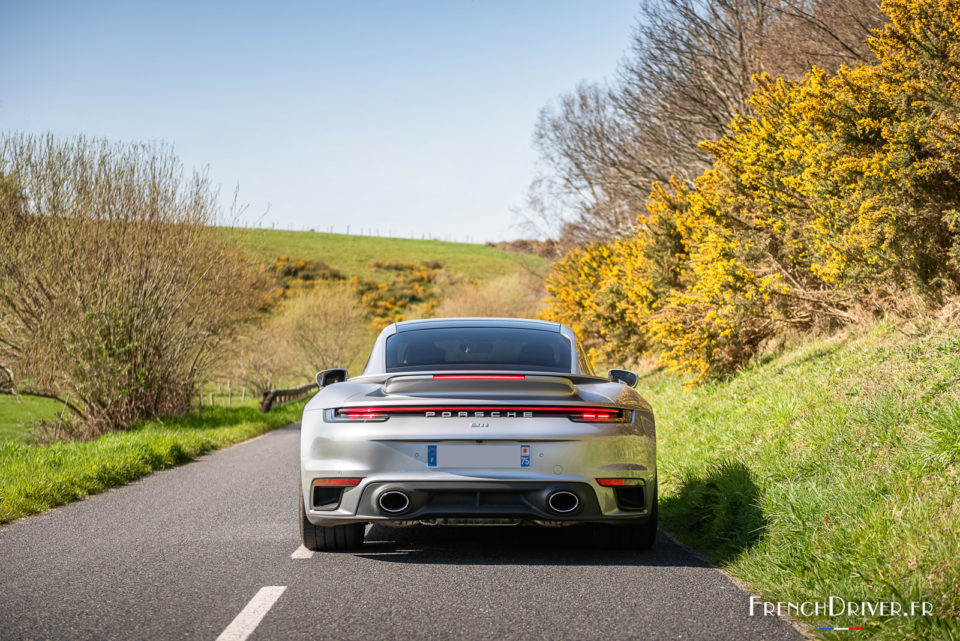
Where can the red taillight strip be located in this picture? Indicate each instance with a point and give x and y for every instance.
(462, 408)
(506, 377)
(595, 416)
(339, 481)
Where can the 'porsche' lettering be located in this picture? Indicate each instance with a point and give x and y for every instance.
(480, 413)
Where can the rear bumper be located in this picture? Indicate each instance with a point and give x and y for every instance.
(494, 500)
(394, 455)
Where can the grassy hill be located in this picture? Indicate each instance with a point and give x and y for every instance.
(352, 254)
(832, 468)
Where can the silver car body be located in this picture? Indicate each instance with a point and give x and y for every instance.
(505, 445)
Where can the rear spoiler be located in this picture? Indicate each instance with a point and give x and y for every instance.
(482, 384)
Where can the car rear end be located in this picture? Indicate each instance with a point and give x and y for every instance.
(479, 446)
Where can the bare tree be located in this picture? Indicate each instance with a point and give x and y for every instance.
(821, 33)
(689, 72)
(598, 161)
(327, 327)
(316, 329)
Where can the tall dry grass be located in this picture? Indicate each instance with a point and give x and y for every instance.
(512, 296)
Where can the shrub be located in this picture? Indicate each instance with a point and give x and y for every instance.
(115, 291)
(317, 329)
(387, 302)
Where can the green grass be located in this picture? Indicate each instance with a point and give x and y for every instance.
(352, 254)
(35, 478)
(832, 469)
(18, 413)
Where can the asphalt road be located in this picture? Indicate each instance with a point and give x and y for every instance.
(210, 550)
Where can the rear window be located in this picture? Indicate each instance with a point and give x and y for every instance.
(478, 348)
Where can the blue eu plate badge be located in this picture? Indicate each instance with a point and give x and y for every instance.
(524, 456)
(431, 456)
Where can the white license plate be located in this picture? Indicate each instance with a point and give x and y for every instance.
(478, 455)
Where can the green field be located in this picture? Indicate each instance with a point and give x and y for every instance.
(829, 469)
(352, 254)
(17, 414)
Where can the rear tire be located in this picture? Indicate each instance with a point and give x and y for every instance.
(338, 537)
(628, 537)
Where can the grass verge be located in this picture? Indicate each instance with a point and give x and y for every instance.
(829, 470)
(35, 478)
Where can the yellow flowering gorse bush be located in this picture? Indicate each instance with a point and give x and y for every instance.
(833, 193)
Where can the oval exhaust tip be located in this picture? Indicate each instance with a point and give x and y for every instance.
(393, 501)
(563, 502)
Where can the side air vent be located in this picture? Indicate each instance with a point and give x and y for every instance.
(326, 497)
(629, 498)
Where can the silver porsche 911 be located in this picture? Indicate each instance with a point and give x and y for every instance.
(477, 421)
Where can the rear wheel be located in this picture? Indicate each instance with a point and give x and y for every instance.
(338, 537)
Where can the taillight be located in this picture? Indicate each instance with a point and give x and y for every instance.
(619, 482)
(366, 416)
(574, 413)
(337, 482)
(360, 415)
(594, 415)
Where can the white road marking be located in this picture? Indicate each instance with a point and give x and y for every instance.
(252, 614)
(302, 553)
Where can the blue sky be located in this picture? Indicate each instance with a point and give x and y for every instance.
(410, 117)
